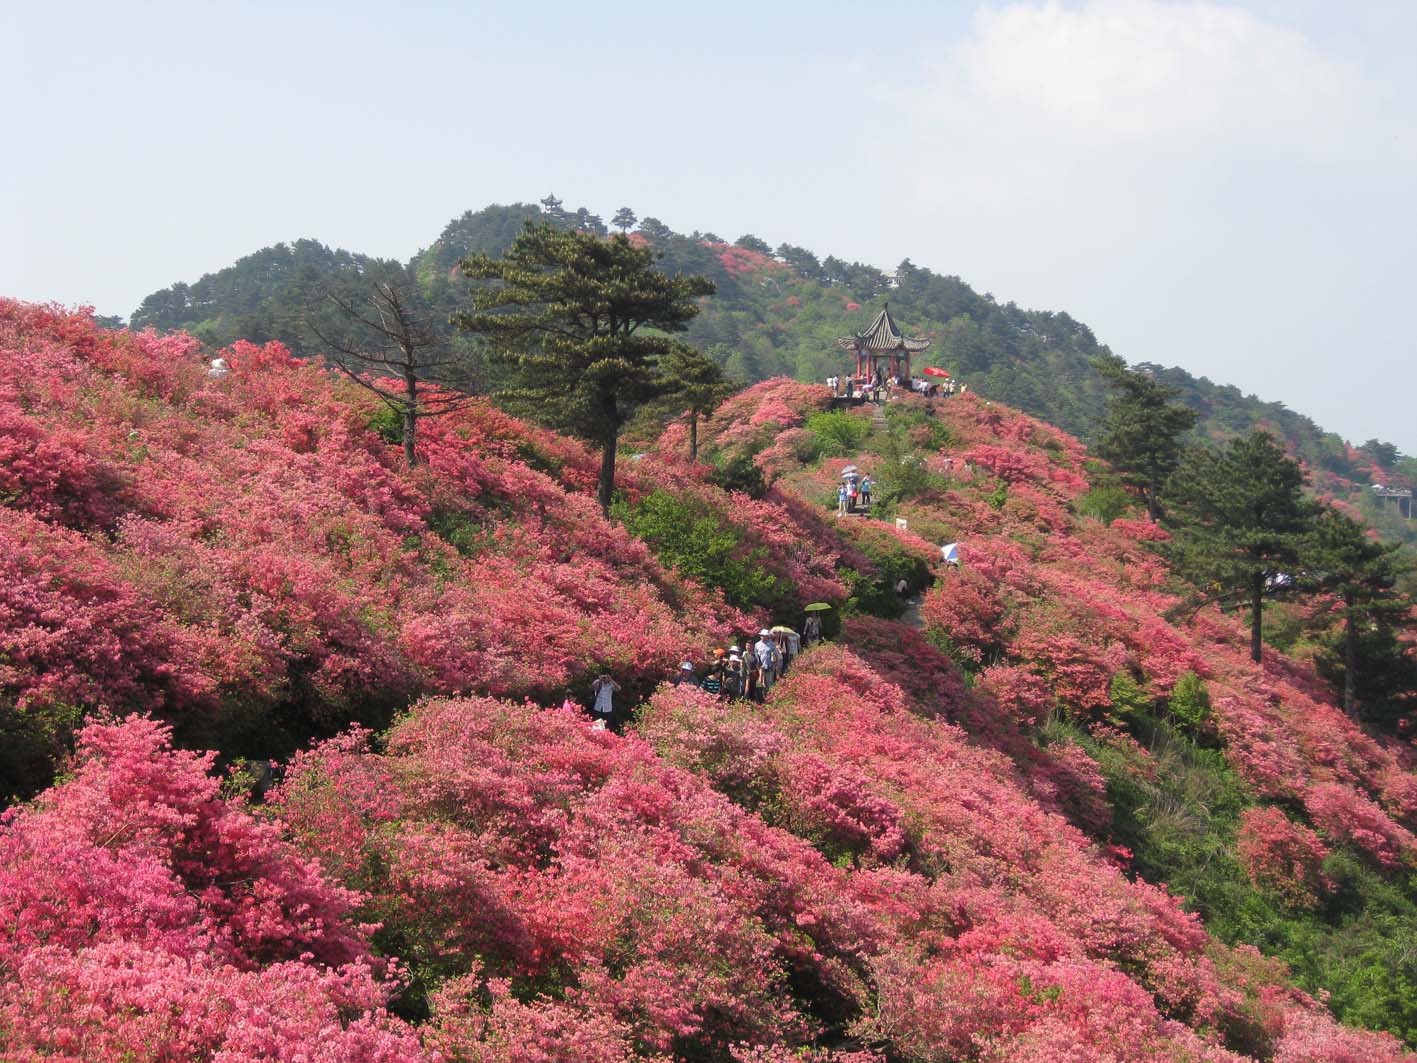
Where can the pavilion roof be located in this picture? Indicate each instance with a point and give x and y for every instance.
(883, 335)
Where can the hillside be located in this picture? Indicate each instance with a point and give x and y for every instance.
(779, 314)
(938, 839)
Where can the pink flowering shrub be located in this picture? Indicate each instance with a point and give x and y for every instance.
(228, 550)
(145, 917)
(1281, 856)
(1343, 814)
(612, 892)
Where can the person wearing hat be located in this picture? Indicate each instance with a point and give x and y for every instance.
(733, 677)
(686, 674)
(766, 653)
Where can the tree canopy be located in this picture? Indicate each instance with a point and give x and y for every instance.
(1142, 434)
(1239, 514)
(585, 325)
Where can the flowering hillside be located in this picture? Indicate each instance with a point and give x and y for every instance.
(1027, 818)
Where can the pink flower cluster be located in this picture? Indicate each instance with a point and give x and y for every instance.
(142, 917)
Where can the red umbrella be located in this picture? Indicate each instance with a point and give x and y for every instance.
(931, 370)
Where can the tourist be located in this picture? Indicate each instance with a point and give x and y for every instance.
(767, 656)
(713, 682)
(604, 691)
(219, 368)
(812, 629)
(733, 678)
(685, 675)
(842, 497)
(866, 490)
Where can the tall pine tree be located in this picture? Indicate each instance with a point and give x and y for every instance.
(1141, 436)
(1341, 559)
(585, 325)
(698, 385)
(1239, 517)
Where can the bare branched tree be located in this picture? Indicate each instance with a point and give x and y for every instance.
(413, 367)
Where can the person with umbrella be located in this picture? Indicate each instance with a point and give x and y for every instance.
(812, 626)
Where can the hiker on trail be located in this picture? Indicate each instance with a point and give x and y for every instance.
(685, 675)
(866, 490)
(811, 629)
(842, 497)
(604, 690)
(752, 675)
(733, 678)
(713, 682)
(219, 368)
(766, 653)
(853, 490)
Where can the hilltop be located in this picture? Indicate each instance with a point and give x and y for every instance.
(779, 313)
(1030, 818)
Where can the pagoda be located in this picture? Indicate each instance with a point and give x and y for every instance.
(883, 350)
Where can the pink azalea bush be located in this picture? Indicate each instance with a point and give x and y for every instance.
(145, 917)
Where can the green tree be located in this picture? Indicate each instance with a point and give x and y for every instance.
(1341, 559)
(585, 325)
(1384, 454)
(1141, 436)
(624, 219)
(655, 231)
(696, 382)
(1239, 517)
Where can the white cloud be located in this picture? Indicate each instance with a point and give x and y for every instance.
(1141, 70)
(1202, 186)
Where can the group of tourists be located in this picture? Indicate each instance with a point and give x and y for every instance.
(732, 673)
(881, 386)
(931, 388)
(850, 387)
(747, 671)
(854, 492)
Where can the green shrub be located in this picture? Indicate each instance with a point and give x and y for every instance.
(689, 536)
(1106, 503)
(1127, 695)
(1189, 703)
(838, 433)
(387, 423)
(740, 474)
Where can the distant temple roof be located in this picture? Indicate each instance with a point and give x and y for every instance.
(883, 335)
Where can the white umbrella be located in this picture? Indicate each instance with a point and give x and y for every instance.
(950, 552)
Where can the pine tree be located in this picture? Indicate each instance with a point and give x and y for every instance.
(698, 384)
(1341, 559)
(1141, 436)
(624, 219)
(1239, 517)
(584, 323)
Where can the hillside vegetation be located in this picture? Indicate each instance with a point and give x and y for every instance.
(779, 313)
(1039, 815)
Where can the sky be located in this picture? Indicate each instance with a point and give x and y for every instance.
(1226, 187)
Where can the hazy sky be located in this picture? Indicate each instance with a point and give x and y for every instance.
(1227, 187)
